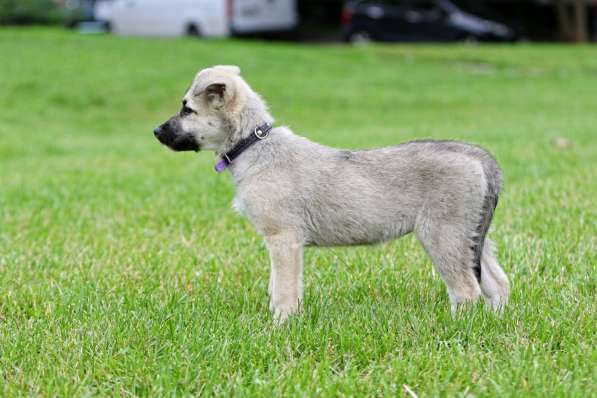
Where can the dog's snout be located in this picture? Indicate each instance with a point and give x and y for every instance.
(171, 135)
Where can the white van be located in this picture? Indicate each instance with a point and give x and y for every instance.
(206, 18)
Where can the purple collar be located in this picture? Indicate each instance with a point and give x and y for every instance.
(259, 133)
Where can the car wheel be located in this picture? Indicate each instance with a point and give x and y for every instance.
(471, 39)
(360, 37)
(193, 31)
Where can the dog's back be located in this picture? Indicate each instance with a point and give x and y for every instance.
(367, 196)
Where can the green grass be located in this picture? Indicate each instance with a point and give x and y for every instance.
(124, 271)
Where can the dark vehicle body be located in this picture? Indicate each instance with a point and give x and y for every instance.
(78, 11)
(412, 20)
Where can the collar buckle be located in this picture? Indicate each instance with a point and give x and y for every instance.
(259, 133)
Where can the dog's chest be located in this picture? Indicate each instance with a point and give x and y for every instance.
(239, 205)
(265, 213)
(247, 204)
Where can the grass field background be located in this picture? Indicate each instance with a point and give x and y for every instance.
(125, 272)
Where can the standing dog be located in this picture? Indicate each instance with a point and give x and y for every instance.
(299, 193)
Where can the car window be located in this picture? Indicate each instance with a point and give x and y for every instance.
(422, 5)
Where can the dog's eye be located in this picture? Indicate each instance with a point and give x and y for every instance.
(186, 111)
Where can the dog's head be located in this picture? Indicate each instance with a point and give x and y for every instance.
(209, 111)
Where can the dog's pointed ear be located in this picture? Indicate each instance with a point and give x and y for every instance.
(216, 94)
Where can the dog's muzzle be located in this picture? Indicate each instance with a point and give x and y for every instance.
(168, 136)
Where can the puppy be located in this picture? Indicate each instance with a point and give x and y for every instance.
(299, 193)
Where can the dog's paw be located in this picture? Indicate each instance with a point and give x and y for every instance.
(496, 303)
(281, 312)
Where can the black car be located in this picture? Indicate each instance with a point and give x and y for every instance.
(77, 11)
(412, 20)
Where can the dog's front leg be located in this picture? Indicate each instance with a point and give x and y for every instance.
(286, 280)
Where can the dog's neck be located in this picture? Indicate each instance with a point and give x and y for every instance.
(254, 114)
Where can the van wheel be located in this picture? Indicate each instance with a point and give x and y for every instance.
(193, 31)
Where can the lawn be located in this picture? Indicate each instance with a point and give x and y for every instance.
(124, 270)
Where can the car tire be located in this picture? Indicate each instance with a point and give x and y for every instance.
(359, 37)
(471, 39)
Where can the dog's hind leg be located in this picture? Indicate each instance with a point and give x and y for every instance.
(286, 280)
(494, 282)
(452, 256)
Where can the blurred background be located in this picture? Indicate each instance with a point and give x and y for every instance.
(357, 21)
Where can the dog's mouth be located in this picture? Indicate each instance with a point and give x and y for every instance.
(184, 143)
(178, 143)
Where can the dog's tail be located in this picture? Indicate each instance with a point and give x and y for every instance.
(493, 177)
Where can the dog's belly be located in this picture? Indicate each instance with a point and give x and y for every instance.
(348, 238)
(350, 231)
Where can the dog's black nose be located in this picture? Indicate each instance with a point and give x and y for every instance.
(157, 131)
